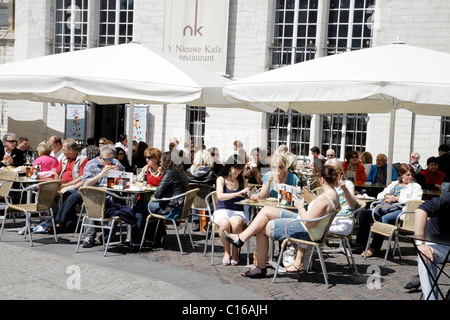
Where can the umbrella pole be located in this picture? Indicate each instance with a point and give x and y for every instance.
(130, 131)
(393, 105)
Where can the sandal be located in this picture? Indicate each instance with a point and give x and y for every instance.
(251, 273)
(296, 269)
(226, 262)
(234, 262)
(237, 244)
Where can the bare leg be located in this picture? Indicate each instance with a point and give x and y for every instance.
(236, 227)
(258, 224)
(224, 225)
(298, 262)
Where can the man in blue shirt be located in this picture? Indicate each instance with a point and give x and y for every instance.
(377, 174)
(96, 174)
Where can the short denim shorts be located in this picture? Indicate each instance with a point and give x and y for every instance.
(295, 230)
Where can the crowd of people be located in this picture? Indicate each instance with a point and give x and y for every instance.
(173, 170)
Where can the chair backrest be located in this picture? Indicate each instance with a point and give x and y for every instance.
(46, 194)
(327, 228)
(211, 198)
(204, 190)
(408, 216)
(6, 175)
(94, 202)
(188, 201)
(318, 191)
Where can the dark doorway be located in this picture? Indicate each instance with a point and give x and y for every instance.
(109, 121)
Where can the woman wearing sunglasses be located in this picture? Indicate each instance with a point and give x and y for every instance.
(279, 174)
(353, 168)
(122, 158)
(151, 172)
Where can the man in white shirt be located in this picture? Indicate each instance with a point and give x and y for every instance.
(57, 151)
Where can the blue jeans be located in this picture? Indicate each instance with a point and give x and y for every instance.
(425, 279)
(67, 212)
(365, 221)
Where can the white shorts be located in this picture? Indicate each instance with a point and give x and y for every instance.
(342, 226)
(228, 214)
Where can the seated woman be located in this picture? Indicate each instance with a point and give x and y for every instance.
(353, 169)
(278, 175)
(344, 220)
(46, 161)
(174, 182)
(253, 170)
(201, 170)
(230, 217)
(138, 160)
(122, 158)
(431, 178)
(366, 160)
(151, 172)
(271, 222)
(397, 193)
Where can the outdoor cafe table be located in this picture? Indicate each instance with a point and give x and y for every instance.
(443, 239)
(24, 181)
(131, 193)
(272, 203)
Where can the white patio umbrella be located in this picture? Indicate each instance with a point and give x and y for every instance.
(374, 80)
(127, 73)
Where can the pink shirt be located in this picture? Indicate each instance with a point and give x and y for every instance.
(46, 162)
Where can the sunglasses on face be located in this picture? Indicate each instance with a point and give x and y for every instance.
(108, 159)
(149, 157)
(12, 141)
(121, 154)
(354, 157)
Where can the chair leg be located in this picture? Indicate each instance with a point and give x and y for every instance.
(178, 236)
(206, 240)
(280, 256)
(367, 245)
(79, 218)
(3, 225)
(213, 237)
(143, 235)
(387, 250)
(28, 217)
(186, 222)
(81, 232)
(109, 236)
(322, 264)
(348, 249)
(54, 225)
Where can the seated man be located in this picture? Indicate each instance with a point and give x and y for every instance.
(9, 154)
(95, 174)
(437, 210)
(71, 166)
(377, 174)
(57, 147)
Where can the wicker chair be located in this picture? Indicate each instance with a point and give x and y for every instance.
(44, 199)
(199, 204)
(94, 200)
(405, 223)
(314, 244)
(344, 240)
(189, 198)
(389, 230)
(6, 183)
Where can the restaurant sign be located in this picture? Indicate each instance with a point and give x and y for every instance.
(197, 31)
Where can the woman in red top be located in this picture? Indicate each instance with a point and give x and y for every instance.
(431, 178)
(353, 169)
(151, 172)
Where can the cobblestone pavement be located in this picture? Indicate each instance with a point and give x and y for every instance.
(55, 271)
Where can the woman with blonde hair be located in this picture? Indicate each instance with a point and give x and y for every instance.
(366, 160)
(279, 174)
(201, 170)
(45, 160)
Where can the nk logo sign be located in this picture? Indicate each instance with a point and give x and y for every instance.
(195, 29)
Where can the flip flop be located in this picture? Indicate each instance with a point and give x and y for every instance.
(297, 269)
